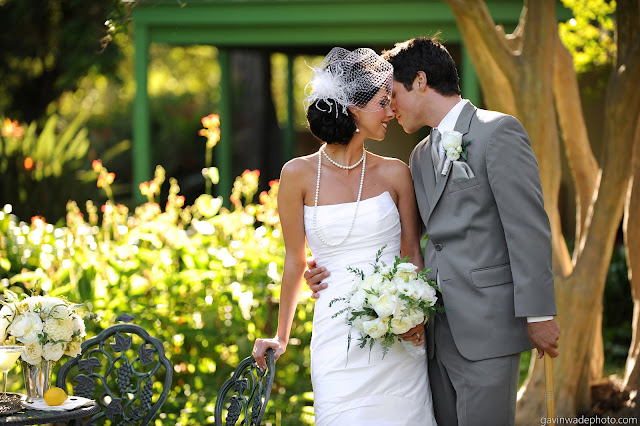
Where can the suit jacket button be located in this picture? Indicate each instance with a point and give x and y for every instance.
(438, 247)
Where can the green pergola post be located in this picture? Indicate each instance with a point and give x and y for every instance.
(470, 85)
(289, 133)
(223, 149)
(141, 128)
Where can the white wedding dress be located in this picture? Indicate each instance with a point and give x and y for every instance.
(359, 387)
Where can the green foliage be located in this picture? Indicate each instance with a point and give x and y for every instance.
(589, 35)
(47, 46)
(617, 313)
(204, 280)
(39, 168)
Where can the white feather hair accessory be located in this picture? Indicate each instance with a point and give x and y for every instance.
(350, 79)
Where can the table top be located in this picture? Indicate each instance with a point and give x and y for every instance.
(35, 417)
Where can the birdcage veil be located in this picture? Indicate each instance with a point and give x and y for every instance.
(349, 79)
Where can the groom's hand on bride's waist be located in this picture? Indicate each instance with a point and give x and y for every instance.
(314, 276)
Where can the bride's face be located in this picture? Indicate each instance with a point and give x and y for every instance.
(373, 124)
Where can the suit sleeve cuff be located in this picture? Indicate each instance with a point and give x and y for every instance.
(539, 319)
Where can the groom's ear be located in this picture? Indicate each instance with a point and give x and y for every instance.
(420, 82)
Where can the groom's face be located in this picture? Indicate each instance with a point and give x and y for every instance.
(405, 105)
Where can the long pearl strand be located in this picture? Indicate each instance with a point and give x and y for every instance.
(353, 166)
(315, 205)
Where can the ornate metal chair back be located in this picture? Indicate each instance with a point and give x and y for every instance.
(125, 370)
(246, 394)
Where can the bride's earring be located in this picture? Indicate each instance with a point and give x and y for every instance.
(357, 128)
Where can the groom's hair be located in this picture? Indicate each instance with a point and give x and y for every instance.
(424, 54)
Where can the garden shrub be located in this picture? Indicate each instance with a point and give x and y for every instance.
(202, 278)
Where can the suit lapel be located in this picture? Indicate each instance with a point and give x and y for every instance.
(462, 126)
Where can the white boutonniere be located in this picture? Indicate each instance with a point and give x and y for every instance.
(454, 149)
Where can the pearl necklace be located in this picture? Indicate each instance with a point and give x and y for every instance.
(315, 205)
(353, 166)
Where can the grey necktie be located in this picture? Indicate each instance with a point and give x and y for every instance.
(435, 151)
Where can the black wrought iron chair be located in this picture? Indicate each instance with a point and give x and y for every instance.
(250, 391)
(125, 370)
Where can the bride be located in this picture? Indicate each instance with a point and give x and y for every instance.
(347, 203)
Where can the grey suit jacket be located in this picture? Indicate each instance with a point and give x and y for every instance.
(489, 236)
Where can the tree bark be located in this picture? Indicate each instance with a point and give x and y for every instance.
(631, 230)
(515, 67)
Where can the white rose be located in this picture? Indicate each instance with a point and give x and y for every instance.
(375, 328)
(401, 325)
(415, 317)
(406, 271)
(385, 270)
(408, 289)
(453, 154)
(451, 140)
(386, 305)
(407, 267)
(59, 329)
(78, 326)
(32, 352)
(373, 281)
(357, 300)
(73, 349)
(26, 327)
(52, 351)
(428, 293)
(59, 311)
(388, 287)
(357, 323)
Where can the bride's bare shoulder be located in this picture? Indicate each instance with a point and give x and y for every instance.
(299, 167)
(390, 164)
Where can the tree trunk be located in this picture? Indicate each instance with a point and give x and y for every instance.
(632, 242)
(515, 80)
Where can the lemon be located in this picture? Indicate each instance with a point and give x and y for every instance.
(55, 396)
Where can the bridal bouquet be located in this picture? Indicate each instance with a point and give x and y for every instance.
(49, 327)
(388, 302)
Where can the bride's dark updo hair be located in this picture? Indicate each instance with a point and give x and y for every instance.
(328, 126)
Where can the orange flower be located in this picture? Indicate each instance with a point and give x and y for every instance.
(12, 128)
(38, 220)
(97, 165)
(105, 179)
(211, 120)
(28, 163)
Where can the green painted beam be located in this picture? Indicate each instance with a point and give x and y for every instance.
(223, 148)
(298, 36)
(141, 151)
(342, 12)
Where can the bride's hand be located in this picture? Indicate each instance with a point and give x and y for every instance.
(415, 335)
(260, 350)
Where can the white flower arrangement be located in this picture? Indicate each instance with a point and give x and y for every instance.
(48, 327)
(454, 148)
(388, 302)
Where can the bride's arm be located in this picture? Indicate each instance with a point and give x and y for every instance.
(410, 236)
(409, 216)
(291, 212)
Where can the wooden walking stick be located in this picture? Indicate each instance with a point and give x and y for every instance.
(549, 395)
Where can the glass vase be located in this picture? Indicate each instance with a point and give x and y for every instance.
(37, 379)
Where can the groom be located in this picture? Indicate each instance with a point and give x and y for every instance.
(489, 239)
